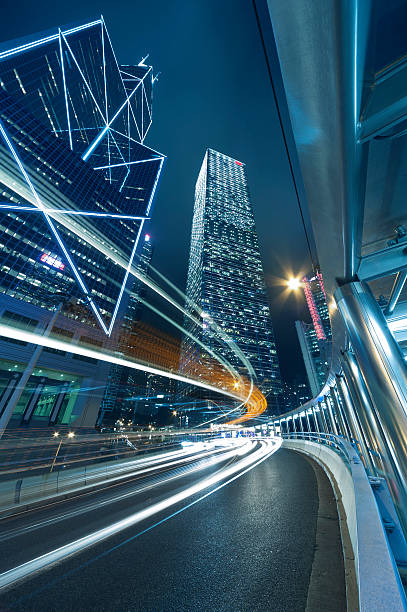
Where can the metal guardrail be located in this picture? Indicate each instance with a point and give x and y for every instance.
(378, 542)
(336, 443)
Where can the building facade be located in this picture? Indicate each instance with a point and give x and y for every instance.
(225, 277)
(315, 338)
(126, 389)
(77, 183)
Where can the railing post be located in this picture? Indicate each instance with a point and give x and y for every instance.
(339, 412)
(322, 419)
(364, 411)
(384, 371)
(308, 423)
(301, 425)
(314, 413)
(357, 435)
(327, 402)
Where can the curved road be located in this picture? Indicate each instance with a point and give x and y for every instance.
(248, 546)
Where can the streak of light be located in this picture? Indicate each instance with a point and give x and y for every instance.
(204, 458)
(42, 562)
(32, 338)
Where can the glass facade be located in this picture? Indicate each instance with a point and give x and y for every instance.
(77, 183)
(124, 384)
(76, 179)
(225, 276)
(315, 338)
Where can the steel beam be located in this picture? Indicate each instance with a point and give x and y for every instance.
(395, 292)
(387, 103)
(383, 263)
(384, 371)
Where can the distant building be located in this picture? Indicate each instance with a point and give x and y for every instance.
(76, 185)
(226, 278)
(124, 385)
(315, 296)
(295, 394)
(315, 338)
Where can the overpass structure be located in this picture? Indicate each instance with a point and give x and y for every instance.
(342, 101)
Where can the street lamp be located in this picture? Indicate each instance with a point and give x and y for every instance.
(70, 435)
(293, 284)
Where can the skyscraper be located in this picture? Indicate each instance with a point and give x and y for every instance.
(316, 301)
(225, 276)
(315, 338)
(77, 183)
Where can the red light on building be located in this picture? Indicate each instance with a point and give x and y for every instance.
(319, 330)
(238, 163)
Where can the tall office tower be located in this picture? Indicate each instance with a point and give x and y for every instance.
(225, 276)
(316, 301)
(315, 354)
(315, 338)
(123, 384)
(76, 182)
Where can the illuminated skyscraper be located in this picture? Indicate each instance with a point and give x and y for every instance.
(225, 275)
(315, 338)
(77, 183)
(316, 301)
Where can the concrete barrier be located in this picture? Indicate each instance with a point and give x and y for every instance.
(379, 585)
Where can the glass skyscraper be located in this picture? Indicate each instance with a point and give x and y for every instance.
(315, 338)
(77, 181)
(77, 184)
(226, 279)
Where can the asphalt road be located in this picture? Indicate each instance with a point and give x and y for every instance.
(248, 546)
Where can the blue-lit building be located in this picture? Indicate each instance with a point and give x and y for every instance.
(77, 184)
(315, 338)
(226, 278)
(125, 385)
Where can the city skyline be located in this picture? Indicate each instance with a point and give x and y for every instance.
(185, 134)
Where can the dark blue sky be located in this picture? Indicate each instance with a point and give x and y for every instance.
(213, 91)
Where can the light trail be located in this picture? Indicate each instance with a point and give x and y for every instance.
(231, 473)
(32, 338)
(205, 459)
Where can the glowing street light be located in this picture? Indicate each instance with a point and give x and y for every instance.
(236, 384)
(294, 284)
(70, 435)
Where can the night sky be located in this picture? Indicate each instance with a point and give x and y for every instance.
(213, 91)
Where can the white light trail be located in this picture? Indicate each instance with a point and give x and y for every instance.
(230, 473)
(204, 457)
(32, 338)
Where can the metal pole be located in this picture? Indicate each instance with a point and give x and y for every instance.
(348, 401)
(316, 423)
(322, 419)
(331, 415)
(339, 413)
(301, 425)
(364, 410)
(56, 455)
(384, 371)
(325, 416)
(308, 422)
(294, 427)
(12, 403)
(395, 292)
